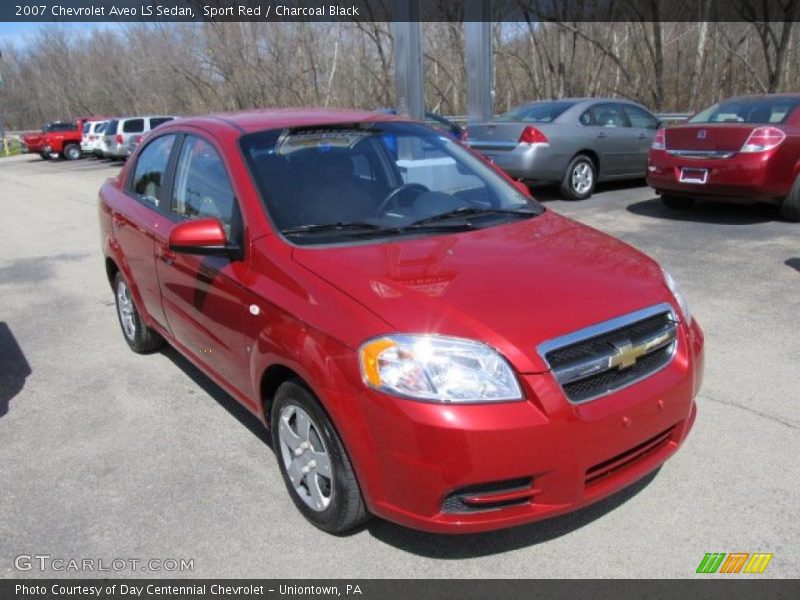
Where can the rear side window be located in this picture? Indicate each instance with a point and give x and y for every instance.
(639, 117)
(156, 121)
(604, 115)
(202, 187)
(151, 168)
(133, 126)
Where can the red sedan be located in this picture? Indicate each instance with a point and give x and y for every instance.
(740, 150)
(425, 342)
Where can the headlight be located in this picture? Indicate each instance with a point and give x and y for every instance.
(437, 368)
(677, 292)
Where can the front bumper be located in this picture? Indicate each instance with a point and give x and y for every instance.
(570, 455)
(741, 178)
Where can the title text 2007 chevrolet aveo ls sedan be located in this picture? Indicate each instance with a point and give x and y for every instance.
(425, 342)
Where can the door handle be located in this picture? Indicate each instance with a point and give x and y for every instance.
(601, 135)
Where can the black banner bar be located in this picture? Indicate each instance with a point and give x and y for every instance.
(384, 10)
(744, 587)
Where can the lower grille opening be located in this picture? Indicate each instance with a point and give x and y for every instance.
(490, 496)
(627, 458)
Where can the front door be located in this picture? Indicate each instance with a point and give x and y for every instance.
(203, 296)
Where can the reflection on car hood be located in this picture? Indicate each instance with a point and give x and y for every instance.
(512, 286)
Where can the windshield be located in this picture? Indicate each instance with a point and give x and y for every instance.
(748, 110)
(540, 112)
(337, 183)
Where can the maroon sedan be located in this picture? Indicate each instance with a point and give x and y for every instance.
(741, 150)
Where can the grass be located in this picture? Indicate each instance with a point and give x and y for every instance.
(14, 148)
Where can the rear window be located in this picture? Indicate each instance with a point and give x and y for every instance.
(87, 127)
(540, 112)
(748, 110)
(68, 126)
(111, 127)
(133, 126)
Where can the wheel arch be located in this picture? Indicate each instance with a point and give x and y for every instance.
(592, 155)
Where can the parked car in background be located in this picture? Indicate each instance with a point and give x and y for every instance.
(425, 341)
(64, 142)
(34, 142)
(744, 150)
(96, 147)
(119, 131)
(133, 143)
(574, 142)
(92, 130)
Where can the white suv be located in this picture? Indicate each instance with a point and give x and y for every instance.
(117, 132)
(90, 139)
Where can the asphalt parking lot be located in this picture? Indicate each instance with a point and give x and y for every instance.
(107, 454)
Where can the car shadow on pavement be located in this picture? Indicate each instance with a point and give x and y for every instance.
(474, 545)
(547, 192)
(718, 213)
(793, 262)
(14, 367)
(228, 402)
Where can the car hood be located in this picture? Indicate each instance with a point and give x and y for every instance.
(512, 286)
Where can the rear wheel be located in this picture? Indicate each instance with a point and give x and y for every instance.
(140, 338)
(677, 202)
(44, 155)
(580, 178)
(313, 461)
(790, 206)
(72, 152)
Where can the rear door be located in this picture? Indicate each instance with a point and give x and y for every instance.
(204, 296)
(643, 126)
(607, 128)
(144, 216)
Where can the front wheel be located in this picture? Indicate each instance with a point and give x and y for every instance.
(580, 178)
(790, 206)
(313, 462)
(139, 337)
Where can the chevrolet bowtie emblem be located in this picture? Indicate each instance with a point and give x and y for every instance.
(627, 354)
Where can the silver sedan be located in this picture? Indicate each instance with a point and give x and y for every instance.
(574, 142)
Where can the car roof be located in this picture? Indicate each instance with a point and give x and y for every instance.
(277, 118)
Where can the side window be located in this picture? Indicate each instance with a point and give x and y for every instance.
(151, 168)
(202, 187)
(156, 121)
(604, 115)
(640, 118)
(133, 126)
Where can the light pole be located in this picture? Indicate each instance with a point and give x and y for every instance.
(2, 115)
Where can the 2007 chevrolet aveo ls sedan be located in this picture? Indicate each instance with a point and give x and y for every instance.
(425, 342)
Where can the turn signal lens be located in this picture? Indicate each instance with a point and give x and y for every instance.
(659, 140)
(762, 139)
(531, 135)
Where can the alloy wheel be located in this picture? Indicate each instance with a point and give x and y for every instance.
(582, 178)
(127, 312)
(305, 457)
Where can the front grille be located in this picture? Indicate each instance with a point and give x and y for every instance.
(627, 458)
(609, 356)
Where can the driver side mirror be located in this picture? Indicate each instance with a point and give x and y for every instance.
(205, 237)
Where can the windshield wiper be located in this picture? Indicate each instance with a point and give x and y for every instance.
(472, 211)
(346, 227)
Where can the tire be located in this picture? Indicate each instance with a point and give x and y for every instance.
(330, 499)
(677, 202)
(579, 179)
(139, 337)
(44, 155)
(72, 152)
(790, 206)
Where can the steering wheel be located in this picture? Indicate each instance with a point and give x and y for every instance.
(394, 195)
